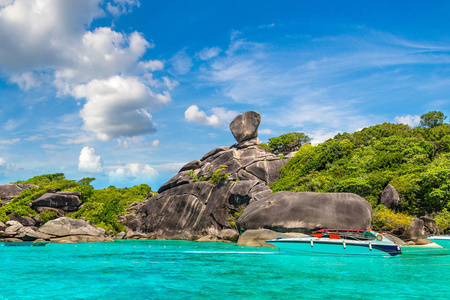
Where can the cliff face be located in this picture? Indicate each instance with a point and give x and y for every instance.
(203, 198)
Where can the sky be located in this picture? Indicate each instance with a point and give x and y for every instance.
(128, 91)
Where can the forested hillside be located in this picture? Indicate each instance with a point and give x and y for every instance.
(416, 161)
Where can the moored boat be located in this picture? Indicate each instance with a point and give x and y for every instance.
(25, 243)
(340, 242)
(441, 240)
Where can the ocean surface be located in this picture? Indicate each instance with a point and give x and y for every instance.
(189, 270)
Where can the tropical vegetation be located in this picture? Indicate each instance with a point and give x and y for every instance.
(100, 207)
(416, 161)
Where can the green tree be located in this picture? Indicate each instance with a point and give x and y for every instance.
(288, 142)
(432, 119)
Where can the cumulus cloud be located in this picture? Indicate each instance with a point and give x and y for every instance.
(412, 121)
(118, 106)
(155, 143)
(94, 64)
(224, 114)
(132, 171)
(195, 115)
(89, 162)
(60, 24)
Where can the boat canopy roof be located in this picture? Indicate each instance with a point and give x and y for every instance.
(342, 230)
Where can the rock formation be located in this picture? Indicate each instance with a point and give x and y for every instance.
(61, 230)
(245, 126)
(305, 212)
(203, 198)
(207, 196)
(73, 230)
(62, 201)
(9, 191)
(390, 198)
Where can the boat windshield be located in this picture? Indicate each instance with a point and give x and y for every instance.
(346, 235)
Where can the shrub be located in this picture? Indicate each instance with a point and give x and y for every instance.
(220, 174)
(47, 215)
(443, 220)
(386, 220)
(232, 219)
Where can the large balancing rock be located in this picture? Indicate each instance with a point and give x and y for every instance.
(245, 126)
(305, 212)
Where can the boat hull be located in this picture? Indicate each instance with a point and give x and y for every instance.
(29, 244)
(315, 247)
(442, 240)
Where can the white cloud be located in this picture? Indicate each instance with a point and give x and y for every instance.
(223, 114)
(100, 54)
(9, 142)
(84, 63)
(321, 136)
(193, 114)
(118, 106)
(267, 26)
(2, 163)
(155, 143)
(26, 80)
(208, 53)
(5, 166)
(132, 172)
(171, 84)
(169, 167)
(119, 7)
(89, 162)
(265, 131)
(61, 25)
(181, 62)
(412, 121)
(152, 65)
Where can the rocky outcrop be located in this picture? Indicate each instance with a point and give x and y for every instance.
(207, 196)
(25, 221)
(305, 212)
(207, 193)
(15, 230)
(65, 201)
(62, 230)
(420, 229)
(190, 204)
(390, 197)
(245, 126)
(62, 227)
(10, 191)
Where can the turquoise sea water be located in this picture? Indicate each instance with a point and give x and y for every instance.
(189, 270)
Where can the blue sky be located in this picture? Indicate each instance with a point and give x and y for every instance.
(127, 91)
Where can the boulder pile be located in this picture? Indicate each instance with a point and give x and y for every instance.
(61, 230)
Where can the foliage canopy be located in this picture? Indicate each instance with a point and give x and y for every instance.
(416, 161)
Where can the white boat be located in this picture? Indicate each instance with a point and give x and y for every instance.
(441, 240)
(338, 242)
